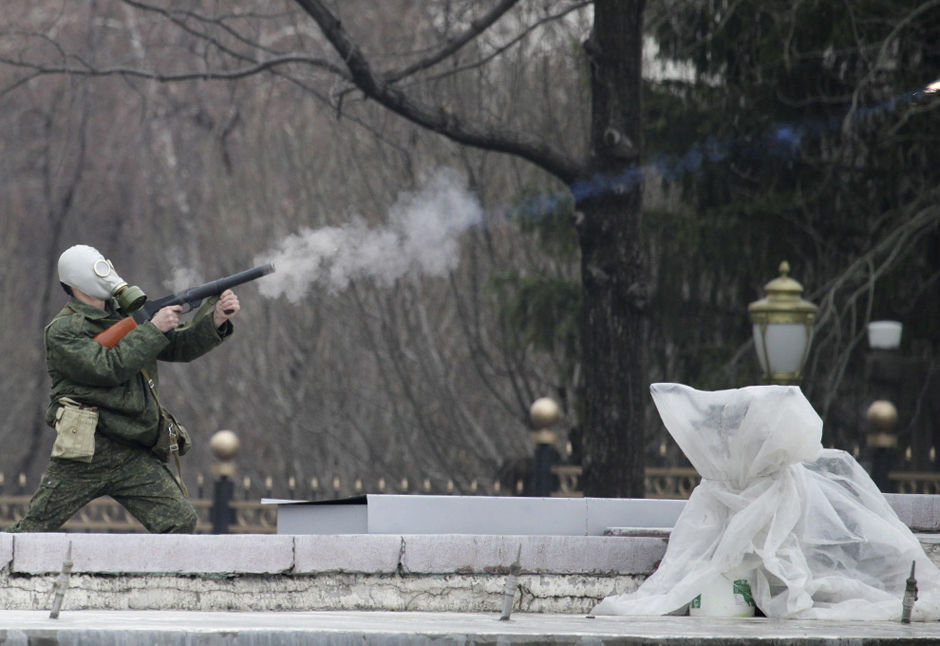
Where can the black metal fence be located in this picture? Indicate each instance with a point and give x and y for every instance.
(236, 506)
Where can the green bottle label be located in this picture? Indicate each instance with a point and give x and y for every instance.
(742, 592)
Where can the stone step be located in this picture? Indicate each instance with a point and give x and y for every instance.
(171, 628)
(433, 573)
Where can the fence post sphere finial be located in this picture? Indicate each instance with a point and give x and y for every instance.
(224, 446)
(544, 413)
(882, 415)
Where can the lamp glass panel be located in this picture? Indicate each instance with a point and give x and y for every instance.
(759, 348)
(786, 344)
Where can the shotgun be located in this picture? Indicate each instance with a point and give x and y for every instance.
(191, 298)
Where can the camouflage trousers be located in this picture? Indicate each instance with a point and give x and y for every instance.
(136, 479)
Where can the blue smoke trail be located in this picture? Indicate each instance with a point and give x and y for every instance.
(783, 141)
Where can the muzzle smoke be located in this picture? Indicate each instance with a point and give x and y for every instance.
(420, 238)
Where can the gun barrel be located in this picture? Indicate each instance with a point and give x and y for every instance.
(213, 288)
(218, 286)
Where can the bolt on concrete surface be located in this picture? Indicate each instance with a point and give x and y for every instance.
(119, 628)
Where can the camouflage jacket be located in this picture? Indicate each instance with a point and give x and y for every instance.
(110, 378)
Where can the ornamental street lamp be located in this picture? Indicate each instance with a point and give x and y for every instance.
(783, 329)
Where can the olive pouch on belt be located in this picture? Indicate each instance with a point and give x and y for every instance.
(173, 437)
(75, 426)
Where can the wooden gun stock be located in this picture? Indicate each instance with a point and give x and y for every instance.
(110, 337)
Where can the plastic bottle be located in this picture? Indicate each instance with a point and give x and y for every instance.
(726, 595)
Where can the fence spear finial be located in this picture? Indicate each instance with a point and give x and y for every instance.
(910, 596)
(61, 584)
(509, 592)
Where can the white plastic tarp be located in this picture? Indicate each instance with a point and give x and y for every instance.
(817, 535)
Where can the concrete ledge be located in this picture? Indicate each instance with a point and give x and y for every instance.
(151, 553)
(316, 554)
(446, 573)
(362, 553)
(585, 555)
(920, 512)
(6, 550)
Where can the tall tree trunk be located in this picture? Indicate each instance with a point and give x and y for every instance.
(613, 261)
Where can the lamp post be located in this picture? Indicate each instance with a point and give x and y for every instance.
(783, 329)
(224, 445)
(882, 441)
(544, 414)
(885, 368)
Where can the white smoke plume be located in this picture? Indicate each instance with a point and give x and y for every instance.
(181, 277)
(419, 238)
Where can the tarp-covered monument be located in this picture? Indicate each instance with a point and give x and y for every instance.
(806, 526)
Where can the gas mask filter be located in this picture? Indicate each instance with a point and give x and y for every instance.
(85, 268)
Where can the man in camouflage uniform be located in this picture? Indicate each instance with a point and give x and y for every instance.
(91, 376)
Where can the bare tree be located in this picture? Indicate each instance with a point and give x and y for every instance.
(245, 125)
(198, 162)
(608, 199)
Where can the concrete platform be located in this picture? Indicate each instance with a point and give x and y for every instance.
(378, 589)
(519, 516)
(108, 628)
(451, 573)
(479, 515)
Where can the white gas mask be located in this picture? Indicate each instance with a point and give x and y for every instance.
(85, 268)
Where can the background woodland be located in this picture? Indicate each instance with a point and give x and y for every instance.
(188, 141)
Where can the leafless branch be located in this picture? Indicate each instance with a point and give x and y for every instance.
(523, 34)
(180, 17)
(886, 42)
(87, 69)
(436, 118)
(454, 44)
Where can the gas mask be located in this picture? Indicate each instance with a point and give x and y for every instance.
(84, 268)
